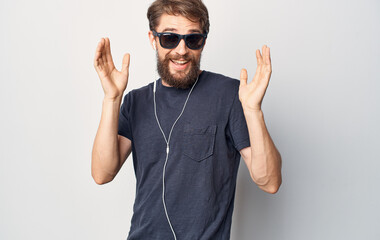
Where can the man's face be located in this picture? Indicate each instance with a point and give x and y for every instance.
(178, 67)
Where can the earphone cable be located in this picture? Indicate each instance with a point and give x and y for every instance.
(167, 146)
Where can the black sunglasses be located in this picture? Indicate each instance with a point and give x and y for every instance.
(170, 40)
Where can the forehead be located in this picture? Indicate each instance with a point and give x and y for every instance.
(178, 24)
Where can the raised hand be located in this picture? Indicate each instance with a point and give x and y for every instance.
(113, 81)
(251, 95)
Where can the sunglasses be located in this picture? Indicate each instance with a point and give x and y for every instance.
(170, 40)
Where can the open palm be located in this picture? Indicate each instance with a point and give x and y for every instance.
(251, 95)
(113, 81)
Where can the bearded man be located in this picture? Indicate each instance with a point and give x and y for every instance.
(186, 131)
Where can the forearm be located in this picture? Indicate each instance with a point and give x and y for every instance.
(265, 160)
(105, 153)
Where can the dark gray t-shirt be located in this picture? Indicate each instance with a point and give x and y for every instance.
(203, 162)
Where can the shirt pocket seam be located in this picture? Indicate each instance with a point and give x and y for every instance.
(199, 142)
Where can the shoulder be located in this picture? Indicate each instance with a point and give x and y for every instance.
(142, 90)
(220, 84)
(137, 98)
(138, 93)
(221, 81)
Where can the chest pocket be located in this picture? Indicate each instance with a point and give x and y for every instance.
(199, 142)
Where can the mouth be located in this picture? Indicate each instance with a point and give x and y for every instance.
(179, 64)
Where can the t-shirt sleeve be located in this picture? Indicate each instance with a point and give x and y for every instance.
(124, 127)
(238, 125)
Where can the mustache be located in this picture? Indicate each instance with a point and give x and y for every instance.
(177, 56)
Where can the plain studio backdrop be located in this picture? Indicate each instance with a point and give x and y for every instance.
(321, 108)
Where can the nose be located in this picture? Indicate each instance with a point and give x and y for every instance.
(181, 49)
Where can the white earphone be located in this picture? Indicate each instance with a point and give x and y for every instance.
(154, 44)
(167, 140)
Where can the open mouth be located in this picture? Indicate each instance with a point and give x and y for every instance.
(180, 64)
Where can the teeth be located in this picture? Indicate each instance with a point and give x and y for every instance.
(179, 62)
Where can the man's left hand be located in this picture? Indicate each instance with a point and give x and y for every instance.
(251, 95)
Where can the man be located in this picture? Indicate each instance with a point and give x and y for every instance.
(187, 130)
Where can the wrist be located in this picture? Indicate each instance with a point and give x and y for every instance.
(251, 110)
(112, 99)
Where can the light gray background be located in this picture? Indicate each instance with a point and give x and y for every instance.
(321, 108)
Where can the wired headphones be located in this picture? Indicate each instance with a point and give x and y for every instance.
(155, 48)
(168, 142)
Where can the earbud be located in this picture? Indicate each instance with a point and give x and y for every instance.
(154, 45)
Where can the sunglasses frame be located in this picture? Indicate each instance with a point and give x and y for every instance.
(180, 37)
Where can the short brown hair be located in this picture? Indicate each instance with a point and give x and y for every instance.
(194, 10)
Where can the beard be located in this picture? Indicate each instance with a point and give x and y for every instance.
(184, 80)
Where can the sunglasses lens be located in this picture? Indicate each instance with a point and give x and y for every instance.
(194, 41)
(169, 40)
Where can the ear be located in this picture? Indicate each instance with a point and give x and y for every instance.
(152, 40)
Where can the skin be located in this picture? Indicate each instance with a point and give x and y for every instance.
(110, 150)
(180, 25)
(262, 158)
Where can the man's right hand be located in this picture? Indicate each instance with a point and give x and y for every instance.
(113, 81)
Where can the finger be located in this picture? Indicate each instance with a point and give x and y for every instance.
(98, 52)
(104, 50)
(101, 63)
(108, 50)
(125, 65)
(256, 78)
(99, 47)
(258, 57)
(267, 56)
(264, 52)
(268, 64)
(243, 77)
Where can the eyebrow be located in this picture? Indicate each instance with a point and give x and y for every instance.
(174, 30)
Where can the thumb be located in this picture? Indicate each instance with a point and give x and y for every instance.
(243, 77)
(125, 65)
